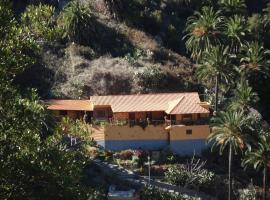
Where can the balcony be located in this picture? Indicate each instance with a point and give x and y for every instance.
(146, 122)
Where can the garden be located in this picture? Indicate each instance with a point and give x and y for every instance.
(206, 174)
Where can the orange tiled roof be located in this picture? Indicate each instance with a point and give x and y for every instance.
(82, 105)
(171, 103)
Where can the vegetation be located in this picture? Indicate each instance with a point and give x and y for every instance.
(228, 131)
(191, 175)
(259, 158)
(116, 46)
(75, 20)
(40, 21)
(153, 194)
(34, 164)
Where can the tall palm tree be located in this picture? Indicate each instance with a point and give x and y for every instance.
(235, 28)
(203, 30)
(254, 57)
(216, 66)
(228, 130)
(259, 157)
(244, 97)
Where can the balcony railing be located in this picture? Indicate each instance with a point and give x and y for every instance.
(146, 122)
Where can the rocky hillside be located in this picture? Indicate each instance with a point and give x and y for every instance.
(139, 50)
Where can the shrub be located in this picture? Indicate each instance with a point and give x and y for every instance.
(248, 193)
(152, 79)
(158, 170)
(93, 152)
(125, 155)
(191, 174)
(77, 23)
(155, 194)
(40, 21)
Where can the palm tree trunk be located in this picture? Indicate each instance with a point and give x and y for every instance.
(230, 179)
(216, 92)
(264, 182)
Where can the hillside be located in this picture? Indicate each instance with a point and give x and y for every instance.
(120, 58)
(129, 47)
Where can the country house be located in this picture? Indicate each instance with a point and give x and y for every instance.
(179, 121)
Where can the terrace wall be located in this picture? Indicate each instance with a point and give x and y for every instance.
(135, 137)
(187, 140)
(153, 138)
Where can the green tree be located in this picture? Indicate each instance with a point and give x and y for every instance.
(41, 22)
(259, 157)
(235, 30)
(256, 27)
(244, 97)
(17, 49)
(231, 7)
(34, 163)
(254, 58)
(216, 66)
(76, 21)
(203, 30)
(228, 131)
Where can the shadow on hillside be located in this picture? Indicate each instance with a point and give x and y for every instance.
(37, 76)
(163, 20)
(106, 40)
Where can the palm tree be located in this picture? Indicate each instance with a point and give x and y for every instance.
(230, 7)
(76, 21)
(259, 157)
(203, 30)
(235, 31)
(244, 98)
(228, 131)
(254, 57)
(215, 67)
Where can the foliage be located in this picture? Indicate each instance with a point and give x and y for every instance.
(31, 166)
(75, 128)
(17, 49)
(152, 79)
(34, 163)
(254, 57)
(76, 21)
(230, 7)
(259, 157)
(235, 31)
(215, 62)
(247, 194)
(228, 130)
(191, 174)
(125, 155)
(154, 194)
(244, 97)
(133, 57)
(204, 29)
(40, 21)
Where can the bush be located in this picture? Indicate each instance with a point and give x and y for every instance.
(125, 155)
(77, 23)
(152, 79)
(155, 194)
(40, 21)
(191, 174)
(157, 170)
(248, 193)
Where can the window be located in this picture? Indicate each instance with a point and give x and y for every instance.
(189, 132)
(63, 112)
(187, 117)
(101, 113)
